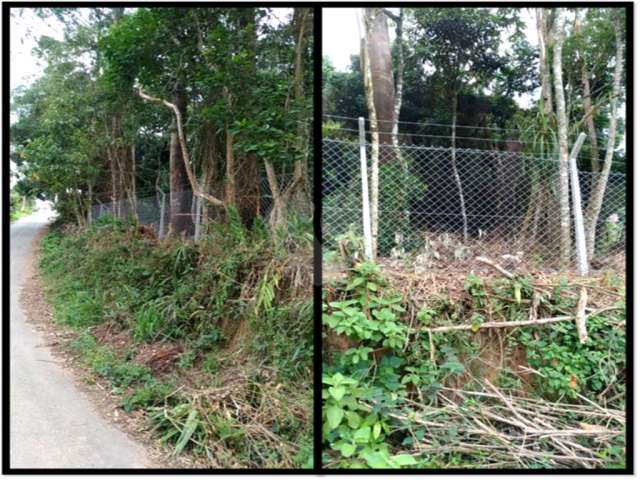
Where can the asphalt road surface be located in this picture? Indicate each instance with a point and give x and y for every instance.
(52, 423)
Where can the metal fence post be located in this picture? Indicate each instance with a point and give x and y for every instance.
(366, 212)
(581, 245)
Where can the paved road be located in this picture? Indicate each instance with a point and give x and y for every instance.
(53, 425)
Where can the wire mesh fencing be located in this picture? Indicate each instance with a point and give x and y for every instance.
(475, 202)
(155, 211)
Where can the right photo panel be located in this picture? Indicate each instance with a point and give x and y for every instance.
(474, 198)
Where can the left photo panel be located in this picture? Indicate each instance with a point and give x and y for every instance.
(160, 238)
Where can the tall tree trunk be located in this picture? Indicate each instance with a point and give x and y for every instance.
(403, 225)
(375, 138)
(454, 166)
(542, 24)
(132, 177)
(179, 199)
(591, 127)
(230, 194)
(379, 58)
(561, 114)
(399, 85)
(246, 182)
(597, 193)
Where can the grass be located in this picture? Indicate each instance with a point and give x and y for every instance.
(18, 213)
(232, 314)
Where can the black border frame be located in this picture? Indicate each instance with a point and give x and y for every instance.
(317, 222)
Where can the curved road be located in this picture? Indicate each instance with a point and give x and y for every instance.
(52, 424)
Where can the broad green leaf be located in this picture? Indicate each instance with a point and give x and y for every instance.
(377, 428)
(347, 449)
(353, 419)
(403, 460)
(334, 416)
(337, 392)
(362, 435)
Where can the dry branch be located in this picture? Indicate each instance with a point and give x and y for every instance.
(581, 323)
(517, 323)
(499, 428)
(496, 266)
(195, 186)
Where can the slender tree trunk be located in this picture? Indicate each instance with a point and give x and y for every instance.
(375, 139)
(561, 114)
(597, 193)
(381, 71)
(542, 24)
(454, 166)
(591, 127)
(399, 86)
(247, 188)
(180, 221)
(134, 200)
(230, 172)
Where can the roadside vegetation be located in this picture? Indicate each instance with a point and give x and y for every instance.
(20, 206)
(174, 144)
(212, 341)
(428, 380)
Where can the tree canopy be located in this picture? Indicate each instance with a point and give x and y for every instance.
(240, 77)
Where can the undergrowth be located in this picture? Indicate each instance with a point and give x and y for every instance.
(396, 395)
(230, 315)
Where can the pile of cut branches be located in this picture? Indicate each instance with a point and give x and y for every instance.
(502, 430)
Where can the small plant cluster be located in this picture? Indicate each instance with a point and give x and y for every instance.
(384, 369)
(236, 293)
(20, 206)
(357, 390)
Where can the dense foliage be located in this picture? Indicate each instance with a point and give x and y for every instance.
(389, 385)
(240, 77)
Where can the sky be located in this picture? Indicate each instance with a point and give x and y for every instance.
(341, 38)
(24, 30)
(24, 66)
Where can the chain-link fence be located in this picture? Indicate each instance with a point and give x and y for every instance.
(154, 211)
(476, 201)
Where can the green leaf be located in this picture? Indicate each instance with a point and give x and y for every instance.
(337, 392)
(453, 367)
(377, 459)
(372, 286)
(189, 428)
(377, 428)
(354, 283)
(347, 449)
(353, 419)
(404, 460)
(334, 416)
(362, 435)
